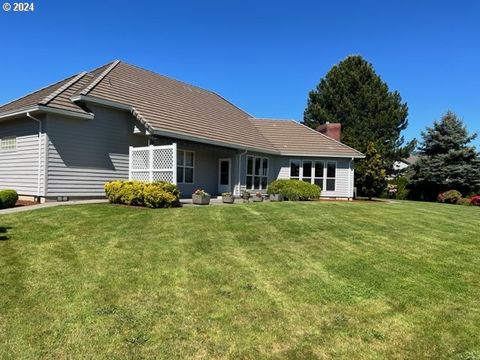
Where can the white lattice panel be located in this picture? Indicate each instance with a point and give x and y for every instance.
(163, 176)
(140, 176)
(139, 159)
(162, 158)
(154, 163)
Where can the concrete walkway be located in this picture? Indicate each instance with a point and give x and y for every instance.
(50, 204)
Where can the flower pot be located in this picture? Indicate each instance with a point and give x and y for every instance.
(201, 199)
(228, 199)
(257, 198)
(276, 197)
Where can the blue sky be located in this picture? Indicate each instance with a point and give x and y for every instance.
(264, 56)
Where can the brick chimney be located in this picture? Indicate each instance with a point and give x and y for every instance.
(331, 130)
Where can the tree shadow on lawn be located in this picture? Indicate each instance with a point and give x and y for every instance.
(3, 230)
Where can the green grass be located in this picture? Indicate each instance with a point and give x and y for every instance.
(285, 280)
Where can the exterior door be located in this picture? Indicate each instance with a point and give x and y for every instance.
(224, 175)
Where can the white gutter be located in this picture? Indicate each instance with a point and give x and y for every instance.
(46, 109)
(39, 169)
(240, 170)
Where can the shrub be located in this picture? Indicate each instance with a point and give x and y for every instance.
(155, 196)
(294, 190)
(464, 201)
(159, 194)
(449, 197)
(8, 198)
(475, 200)
(398, 188)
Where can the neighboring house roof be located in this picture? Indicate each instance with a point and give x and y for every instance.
(412, 159)
(173, 108)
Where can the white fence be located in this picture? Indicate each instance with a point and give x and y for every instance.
(153, 163)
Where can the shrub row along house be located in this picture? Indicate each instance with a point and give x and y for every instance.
(66, 140)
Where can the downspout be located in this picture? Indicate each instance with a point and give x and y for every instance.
(39, 153)
(350, 185)
(239, 171)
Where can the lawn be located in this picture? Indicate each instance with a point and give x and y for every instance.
(285, 280)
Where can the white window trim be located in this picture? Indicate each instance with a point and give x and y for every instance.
(253, 169)
(314, 176)
(8, 138)
(186, 166)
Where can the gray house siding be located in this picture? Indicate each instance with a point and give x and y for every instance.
(84, 154)
(19, 168)
(206, 158)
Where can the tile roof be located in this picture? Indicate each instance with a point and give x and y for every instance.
(292, 138)
(174, 107)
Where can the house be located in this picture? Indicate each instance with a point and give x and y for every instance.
(66, 140)
(402, 165)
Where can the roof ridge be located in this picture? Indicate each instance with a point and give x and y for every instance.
(36, 91)
(99, 78)
(271, 119)
(61, 89)
(328, 137)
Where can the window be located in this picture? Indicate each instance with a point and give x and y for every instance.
(318, 179)
(331, 174)
(185, 166)
(307, 171)
(8, 143)
(257, 173)
(295, 169)
(319, 172)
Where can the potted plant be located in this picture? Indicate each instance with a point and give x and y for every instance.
(201, 197)
(276, 197)
(245, 196)
(258, 197)
(228, 198)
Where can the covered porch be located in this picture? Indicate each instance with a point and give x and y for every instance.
(187, 164)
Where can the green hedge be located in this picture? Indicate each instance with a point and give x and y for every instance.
(8, 198)
(159, 194)
(294, 190)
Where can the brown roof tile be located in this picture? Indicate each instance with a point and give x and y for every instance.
(172, 106)
(292, 138)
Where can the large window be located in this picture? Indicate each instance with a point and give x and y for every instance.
(257, 173)
(331, 175)
(8, 143)
(320, 172)
(185, 166)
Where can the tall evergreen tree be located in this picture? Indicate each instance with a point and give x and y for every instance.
(355, 96)
(446, 160)
(372, 173)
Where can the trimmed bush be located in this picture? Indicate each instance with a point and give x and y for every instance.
(398, 188)
(449, 197)
(294, 190)
(464, 201)
(8, 198)
(159, 194)
(475, 200)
